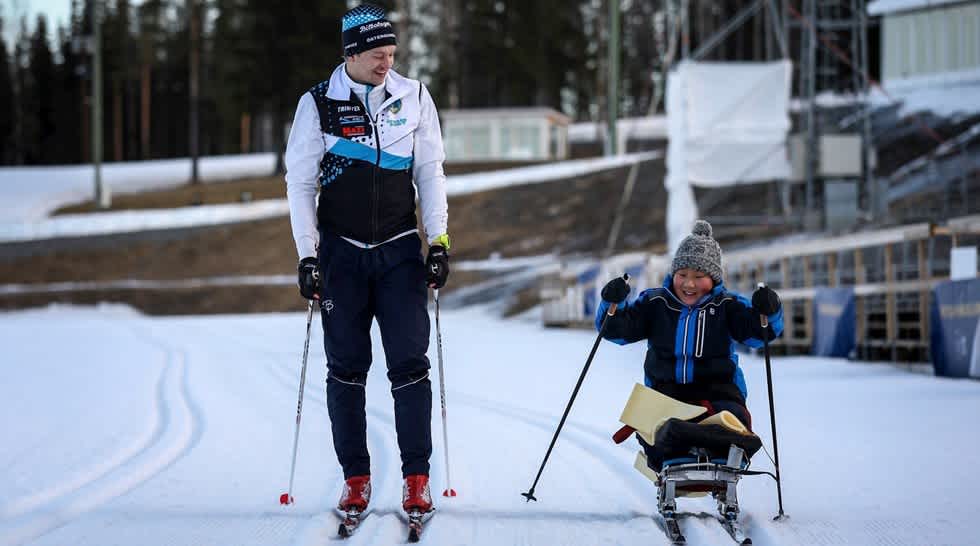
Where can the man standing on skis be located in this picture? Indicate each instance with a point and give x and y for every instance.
(361, 139)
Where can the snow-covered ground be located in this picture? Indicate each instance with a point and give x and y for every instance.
(29, 194)
(123, 429)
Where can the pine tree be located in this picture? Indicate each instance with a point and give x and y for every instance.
(118, 71)
(640, 58)
(278, 49)
(170, 82)
(25, 125)
(39, 101)
(508, 53)
(151, 39)
(68, 102)
(230, 70)
(6, 103)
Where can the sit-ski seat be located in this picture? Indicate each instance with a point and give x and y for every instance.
(694, 476)
(658, 420)
(697, 476)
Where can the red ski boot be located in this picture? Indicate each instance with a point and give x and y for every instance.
(417, 503)
(415, 494)
(356, 495)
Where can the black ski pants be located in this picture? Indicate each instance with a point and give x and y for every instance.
(386, 283)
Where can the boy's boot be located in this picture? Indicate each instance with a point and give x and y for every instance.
(415, 494)
(356, 495)
(680, 436)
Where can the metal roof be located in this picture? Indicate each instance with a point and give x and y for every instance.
(881, 7)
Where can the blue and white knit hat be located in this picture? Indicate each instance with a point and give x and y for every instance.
(365, 28)
(699, 251)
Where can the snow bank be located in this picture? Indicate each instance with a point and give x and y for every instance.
(28, 194)
(32, 193)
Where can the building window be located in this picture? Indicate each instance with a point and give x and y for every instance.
(466, 141)
(520, 141)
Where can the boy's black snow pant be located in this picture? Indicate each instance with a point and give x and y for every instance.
(357, 285)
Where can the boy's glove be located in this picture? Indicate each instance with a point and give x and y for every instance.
(309, 278)
(766, 301)
(615, 290)
(437, 267)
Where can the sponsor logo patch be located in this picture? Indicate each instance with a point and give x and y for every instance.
(372, 26)
(352, 131)
(348, 120)
(370, 39)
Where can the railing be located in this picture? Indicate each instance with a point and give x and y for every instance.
(891, 271)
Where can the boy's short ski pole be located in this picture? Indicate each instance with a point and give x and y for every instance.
(612, 311)
(449, 492)
(287, 497)
(772, 412)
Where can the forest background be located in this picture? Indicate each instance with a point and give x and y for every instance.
(252, 59)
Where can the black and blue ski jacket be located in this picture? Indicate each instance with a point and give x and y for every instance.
(690, 349)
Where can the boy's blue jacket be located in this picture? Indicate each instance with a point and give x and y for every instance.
(690, 349)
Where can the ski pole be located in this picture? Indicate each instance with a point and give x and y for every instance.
(449, 492)
(772, 410)
(612, 311)
(287, 497)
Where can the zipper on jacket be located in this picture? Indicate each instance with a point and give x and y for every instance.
(699, 340)
(375, 198)
(375, 191)
(687, 321)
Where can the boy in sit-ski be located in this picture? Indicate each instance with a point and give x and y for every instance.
(691, 324)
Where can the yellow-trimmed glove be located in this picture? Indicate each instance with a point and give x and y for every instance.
(442, 240)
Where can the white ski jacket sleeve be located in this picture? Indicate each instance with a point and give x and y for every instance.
(304, 150)
(427, 169)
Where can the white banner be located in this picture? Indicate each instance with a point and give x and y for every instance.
(733, 119)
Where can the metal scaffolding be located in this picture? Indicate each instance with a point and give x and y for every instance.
(832, 58)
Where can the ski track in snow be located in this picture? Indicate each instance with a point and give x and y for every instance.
(589, 492)
(381, 446)
(381, 523)
(385, 523)
(590, 442)
(176, 427)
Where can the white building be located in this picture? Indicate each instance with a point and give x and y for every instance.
(930, 47)
(505, 134)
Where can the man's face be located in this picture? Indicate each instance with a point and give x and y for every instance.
(690, 285)
(371, 66)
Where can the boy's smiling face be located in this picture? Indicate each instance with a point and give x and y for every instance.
(690, 285)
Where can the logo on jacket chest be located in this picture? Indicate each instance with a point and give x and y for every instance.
(348, 119)
(392, 111)
(354, 131)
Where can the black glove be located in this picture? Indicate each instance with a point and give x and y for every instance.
(615, 290)
(766, 301)
(309, 278)
(437, 267)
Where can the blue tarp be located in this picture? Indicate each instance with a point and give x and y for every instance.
(834, 322)
(953, 341)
